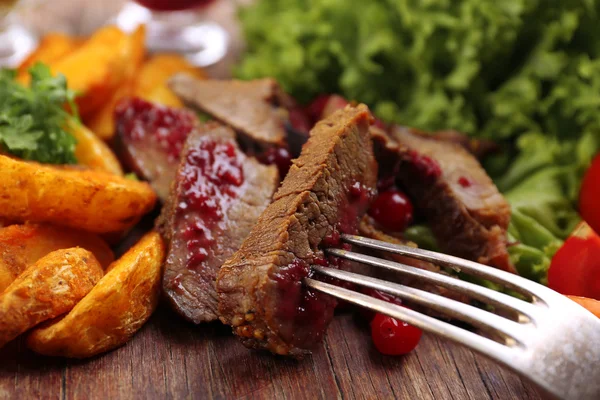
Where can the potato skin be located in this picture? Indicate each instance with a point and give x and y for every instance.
(52, 47)
(93, 201)
(102, 121)
(113, 311)
(23, 245)
(151, 84)
(47, 289)
(93, 152)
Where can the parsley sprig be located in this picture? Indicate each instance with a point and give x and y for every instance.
(33, 119)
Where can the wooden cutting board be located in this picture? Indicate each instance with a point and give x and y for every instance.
(170, 358)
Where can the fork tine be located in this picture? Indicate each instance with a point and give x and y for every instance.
(476, 342)
(511, 281)
(510, 331)
(488, 296)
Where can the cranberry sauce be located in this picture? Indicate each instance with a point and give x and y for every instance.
(359, 200)
(211, 178)
(309, 309)
(465, 182)
(425, 166)
(138, 119)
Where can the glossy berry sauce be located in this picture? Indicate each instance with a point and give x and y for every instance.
(170, 127)
(311, 311)
(211, 178)
(426, 166)
(465, 182)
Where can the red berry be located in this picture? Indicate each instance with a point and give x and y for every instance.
(393, 210)
(299, 120)
(315, 109)
(393, 337)
(335, 102)
(464, 182)
(280, 156)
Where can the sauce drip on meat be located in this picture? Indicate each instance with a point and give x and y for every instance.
(168, 126)
(425, 165)
(212, 177)
(305, 306)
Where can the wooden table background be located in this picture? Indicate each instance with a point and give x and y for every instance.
(170, 358)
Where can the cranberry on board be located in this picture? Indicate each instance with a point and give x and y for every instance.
(589, 196)
(393, 210)
(575, 268)
(393, 337)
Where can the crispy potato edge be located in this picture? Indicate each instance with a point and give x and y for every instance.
(113, 311)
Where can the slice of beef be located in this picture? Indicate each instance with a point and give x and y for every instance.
(326, 191)
(150, 138)
(217, 197)
(465, 210)
(256, 109)
(480, 148)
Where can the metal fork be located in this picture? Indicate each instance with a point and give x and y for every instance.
(552, 342)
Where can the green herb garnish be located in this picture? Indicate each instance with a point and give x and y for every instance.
(33, 119)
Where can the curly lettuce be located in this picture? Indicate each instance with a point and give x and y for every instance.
(524, 73)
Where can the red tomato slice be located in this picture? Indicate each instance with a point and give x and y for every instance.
(575, 268)
(589, 196)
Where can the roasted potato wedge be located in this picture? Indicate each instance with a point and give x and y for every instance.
(47, 289)
(93, 152)
(113, 311)
(102, 122)
(95, 69)
(93, 201)
(22, 245)
(151, 83)
(52, 47)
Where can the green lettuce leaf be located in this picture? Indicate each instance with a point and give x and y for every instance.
(523, 73)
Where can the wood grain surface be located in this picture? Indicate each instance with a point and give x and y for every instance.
(172, 359)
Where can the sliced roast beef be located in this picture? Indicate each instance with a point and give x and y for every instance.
(326, 191)
(150, 138)
(217, 197)
(478, 147)
(465, 210)
(256, 109)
